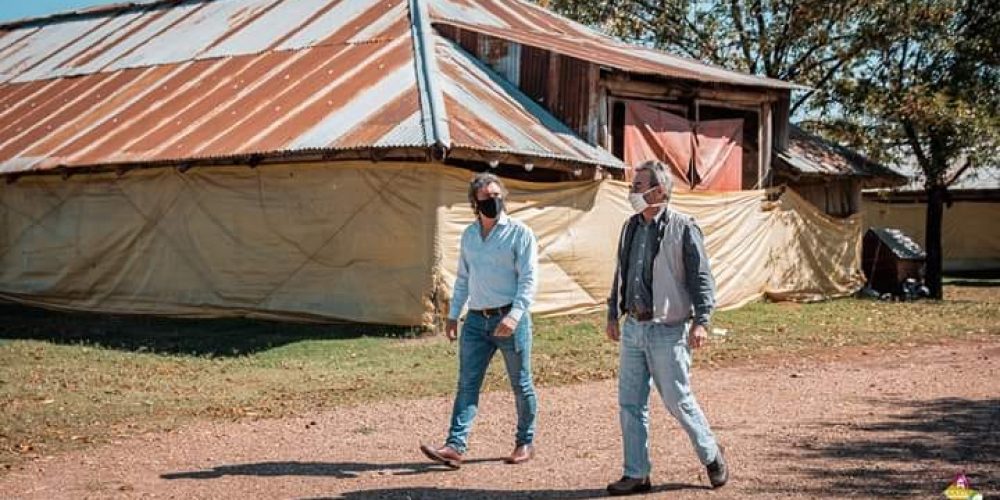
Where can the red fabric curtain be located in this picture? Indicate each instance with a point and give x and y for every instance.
(719, 162)
(716, 147)
(654, 134)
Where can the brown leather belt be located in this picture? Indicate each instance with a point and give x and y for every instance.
(492, 311)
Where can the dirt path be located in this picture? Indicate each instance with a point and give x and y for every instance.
(886, 424)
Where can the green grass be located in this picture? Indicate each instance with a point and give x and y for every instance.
(67, 380)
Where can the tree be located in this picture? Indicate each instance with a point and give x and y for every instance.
(930, 89)
(812, 42)
(892, 78)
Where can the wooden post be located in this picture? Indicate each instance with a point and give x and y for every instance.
(765, 144)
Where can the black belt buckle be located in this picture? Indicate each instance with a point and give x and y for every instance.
(641, 315)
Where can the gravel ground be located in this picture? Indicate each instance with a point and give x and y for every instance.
(859, 423)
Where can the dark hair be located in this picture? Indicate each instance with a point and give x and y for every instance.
(481, 180)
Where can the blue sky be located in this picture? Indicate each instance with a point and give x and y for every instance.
(17, 9)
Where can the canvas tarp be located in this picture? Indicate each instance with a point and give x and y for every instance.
(366, 242)
(969, 239)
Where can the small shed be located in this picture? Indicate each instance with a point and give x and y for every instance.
(890, 257)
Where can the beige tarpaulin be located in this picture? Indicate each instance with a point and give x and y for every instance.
(365, 242)
(969, 239)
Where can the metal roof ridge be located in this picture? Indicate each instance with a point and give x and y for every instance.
(435, 118)
(92, 11)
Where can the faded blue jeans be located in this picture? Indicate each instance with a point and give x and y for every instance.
(476, 348)
(657, 353)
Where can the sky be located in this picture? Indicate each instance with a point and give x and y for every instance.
(18, 9)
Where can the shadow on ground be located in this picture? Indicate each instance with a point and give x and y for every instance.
(182, 336)
(475, 493)
(916, 452)
(339, 470)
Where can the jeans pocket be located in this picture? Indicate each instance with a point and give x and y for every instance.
(632, 335)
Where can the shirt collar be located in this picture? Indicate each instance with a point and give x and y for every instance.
(660, 215)
(502, 220)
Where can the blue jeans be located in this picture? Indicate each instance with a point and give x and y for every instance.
(658, 353)
(476, 348)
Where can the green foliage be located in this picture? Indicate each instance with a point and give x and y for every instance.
(910, 81)
(816, 43)
(931, 90)
(67, 380)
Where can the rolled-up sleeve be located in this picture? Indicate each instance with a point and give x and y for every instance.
(698, 274)
(526, 262)
(460, 292)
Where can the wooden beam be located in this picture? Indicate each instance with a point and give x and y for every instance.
(766, 143)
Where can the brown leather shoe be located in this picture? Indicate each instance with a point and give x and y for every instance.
(445, 455)
(521, 454)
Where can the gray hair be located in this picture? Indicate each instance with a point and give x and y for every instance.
(659, 172)
(481, 180)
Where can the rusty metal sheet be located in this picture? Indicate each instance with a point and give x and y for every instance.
(184, 81)
(528, 24)
(166, 34)
(487, 113)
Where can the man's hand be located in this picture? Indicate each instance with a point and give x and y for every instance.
(506, 327)
(612, 331)
(697, 336)
(451, 329)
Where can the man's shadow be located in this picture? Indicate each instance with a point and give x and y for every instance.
(478, 493)
(340, 470)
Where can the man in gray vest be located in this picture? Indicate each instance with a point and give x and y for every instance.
(663, 288)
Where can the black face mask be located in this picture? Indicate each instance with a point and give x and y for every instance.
(490, 207)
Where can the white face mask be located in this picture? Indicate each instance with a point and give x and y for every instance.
(638, 201)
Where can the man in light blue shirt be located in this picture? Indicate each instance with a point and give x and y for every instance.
(497, 276)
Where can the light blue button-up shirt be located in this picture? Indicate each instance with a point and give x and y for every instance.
(500, 270)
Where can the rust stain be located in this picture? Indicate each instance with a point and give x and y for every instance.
(501, 105)
(344, 32)
(271, 101)
(293, 125)
(14, 95)
(468, 130)
(383, 121)
(99, 86)
(106, 105)
(162, 93)
(196, 107)
(161, 119)
(208, 103)
(36, 109)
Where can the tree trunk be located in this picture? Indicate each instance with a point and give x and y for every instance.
(932, 243)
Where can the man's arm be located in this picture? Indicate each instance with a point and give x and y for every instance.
(698, 274)
(526, 260)
(460, 292)
(612, 330)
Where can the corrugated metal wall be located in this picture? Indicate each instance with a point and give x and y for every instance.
(572, 103)
(535, 73)
(564, 88)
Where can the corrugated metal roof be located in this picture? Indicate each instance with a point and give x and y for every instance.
(982, 178)
(812, 155)
(231, 78)
(902, 246)
(528, 24)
